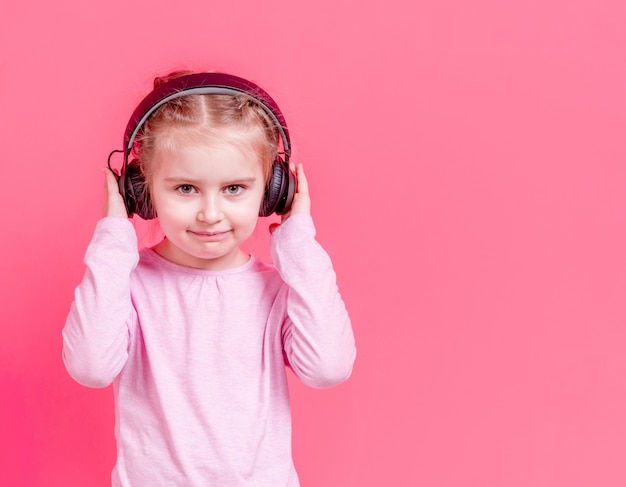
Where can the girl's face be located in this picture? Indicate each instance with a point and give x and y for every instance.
(207, 197)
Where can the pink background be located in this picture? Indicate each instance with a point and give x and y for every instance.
(467, 163)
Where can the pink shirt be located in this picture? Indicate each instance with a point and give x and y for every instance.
(197, 357)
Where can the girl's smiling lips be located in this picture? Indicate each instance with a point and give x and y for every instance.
(212, 235)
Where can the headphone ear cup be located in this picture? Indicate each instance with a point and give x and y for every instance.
(279, 191)
(135, 192)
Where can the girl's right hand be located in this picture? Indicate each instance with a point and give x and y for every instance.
(113, 202)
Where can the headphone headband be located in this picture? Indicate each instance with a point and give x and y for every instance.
(203, 84)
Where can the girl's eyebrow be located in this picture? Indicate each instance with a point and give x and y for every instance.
(179, 179)
(182, 179)
(250, 179)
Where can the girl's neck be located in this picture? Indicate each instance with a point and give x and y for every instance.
(170, 252)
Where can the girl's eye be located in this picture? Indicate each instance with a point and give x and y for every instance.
(234, 189)
(186, 189)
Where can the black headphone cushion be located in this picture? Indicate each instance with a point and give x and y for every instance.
(136, 195)
(279, 191)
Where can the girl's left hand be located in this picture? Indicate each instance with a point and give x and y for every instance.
(301, 199)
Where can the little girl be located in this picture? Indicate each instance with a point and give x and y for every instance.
(194, 333)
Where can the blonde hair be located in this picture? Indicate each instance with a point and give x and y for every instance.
(236, 119)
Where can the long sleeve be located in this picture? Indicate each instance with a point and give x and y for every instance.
(96, 333)
(317, 337)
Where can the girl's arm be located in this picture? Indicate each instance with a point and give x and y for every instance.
(317, 336)
(96, 333)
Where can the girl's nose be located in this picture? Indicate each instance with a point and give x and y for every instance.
(210, 211)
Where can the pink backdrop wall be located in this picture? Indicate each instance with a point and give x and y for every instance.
(467, 164)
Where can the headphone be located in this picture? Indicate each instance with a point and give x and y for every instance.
(280, 188)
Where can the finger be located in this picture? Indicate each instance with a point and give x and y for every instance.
(110, 182)
(303, 184)
(113, 202)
